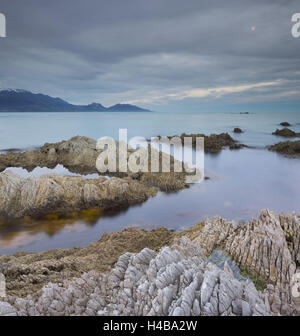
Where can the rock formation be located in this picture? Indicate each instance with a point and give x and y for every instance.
(268, 247)
(214, 143)
(79, 155)
(26, 273)
(36, 196)
(178, 280)
(287, 133)
(291, 148)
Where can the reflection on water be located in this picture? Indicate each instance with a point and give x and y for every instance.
(241, 184)
(16, 233)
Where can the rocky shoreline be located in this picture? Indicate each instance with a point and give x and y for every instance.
(37, 196)
(139, 272)
(160, 272)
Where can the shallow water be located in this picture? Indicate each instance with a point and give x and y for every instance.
(242, 182)
(23, 130)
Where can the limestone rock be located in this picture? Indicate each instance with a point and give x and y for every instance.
(26, 273)
(268, 247)
(178, 280)
(183, 278)
(7, 310)
(52, 193)
(79, 154)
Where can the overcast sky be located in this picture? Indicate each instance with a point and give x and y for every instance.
(161, 54)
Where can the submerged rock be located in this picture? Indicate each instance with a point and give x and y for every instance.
(291, 148)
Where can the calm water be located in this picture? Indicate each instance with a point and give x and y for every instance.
(23, 130)
(241, 182)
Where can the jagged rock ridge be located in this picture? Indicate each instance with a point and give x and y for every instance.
(177, 281)
(180, 279)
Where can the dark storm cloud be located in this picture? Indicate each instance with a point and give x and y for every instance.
(151, 52)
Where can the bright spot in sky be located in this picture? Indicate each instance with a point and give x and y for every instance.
(253, 28)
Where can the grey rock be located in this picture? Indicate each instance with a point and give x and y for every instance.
(7, 310)
(179, 280)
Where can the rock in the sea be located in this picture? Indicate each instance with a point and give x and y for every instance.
(213, 143)
(290, 148)
(79, 155)
(287, 133)
(36, 196)
(237, 146)
(285, 124)
(237, 130)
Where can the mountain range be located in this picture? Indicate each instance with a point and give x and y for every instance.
(16, 100)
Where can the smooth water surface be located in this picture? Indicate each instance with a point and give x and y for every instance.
(23, 130)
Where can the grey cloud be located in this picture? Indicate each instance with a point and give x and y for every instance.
(111, 51)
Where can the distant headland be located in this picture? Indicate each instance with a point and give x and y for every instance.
(16, 100)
